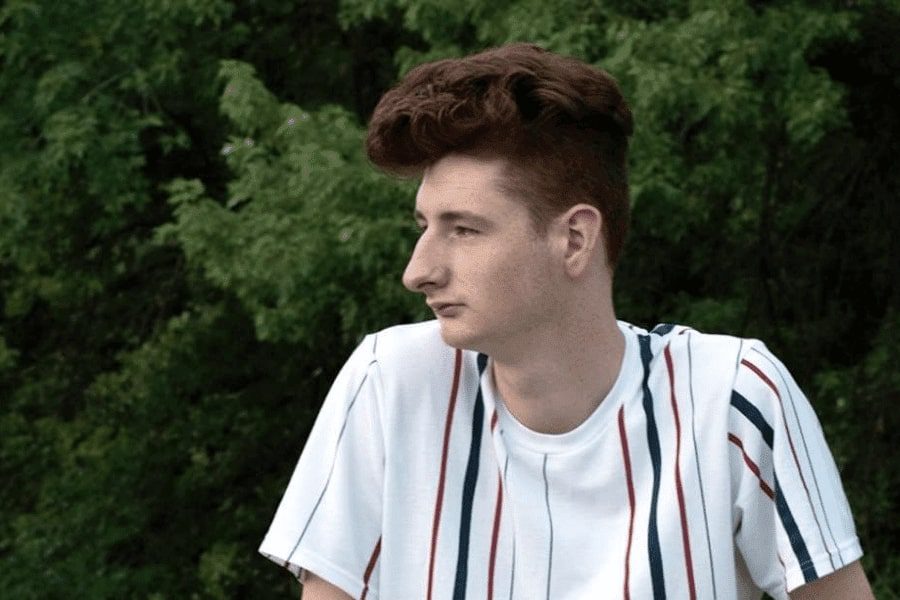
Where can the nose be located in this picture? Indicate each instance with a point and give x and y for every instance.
(427, 267)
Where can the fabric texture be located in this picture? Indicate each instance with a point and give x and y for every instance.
(704, 473)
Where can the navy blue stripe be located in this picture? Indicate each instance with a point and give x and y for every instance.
(653, 548)
(812, 469)
(663, 328)
(784, 513)
(754, 416)
(793, 532)
(465, 524)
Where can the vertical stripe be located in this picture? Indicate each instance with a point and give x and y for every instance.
(512, 571)
(737, 362)
(333, 463)
(787, 430)
(712, 568)
(468, 495)
(370, 567)
(784, 513)
(685, 537)
(806, 450)
(550, 519)
(498, 509)
(653, 547)
(793, 532)
(439, 500)
(626, 458)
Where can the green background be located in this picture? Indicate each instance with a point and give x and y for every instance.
(191, 242)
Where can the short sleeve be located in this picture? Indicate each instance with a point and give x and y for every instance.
(329, 519)
(793, 521)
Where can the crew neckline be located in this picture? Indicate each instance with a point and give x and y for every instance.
(516, 434)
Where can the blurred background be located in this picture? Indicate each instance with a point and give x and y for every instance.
(191, 242)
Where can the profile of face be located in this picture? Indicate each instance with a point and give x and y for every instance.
(490, 278)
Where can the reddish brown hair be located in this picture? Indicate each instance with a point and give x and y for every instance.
(561, 124)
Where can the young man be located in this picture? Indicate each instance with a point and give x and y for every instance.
(526, 443)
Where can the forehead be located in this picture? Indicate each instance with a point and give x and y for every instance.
(461, 182)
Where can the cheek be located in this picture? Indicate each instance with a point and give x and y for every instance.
(539, 276)
(508, 271)
(501, 269)
(522, 275)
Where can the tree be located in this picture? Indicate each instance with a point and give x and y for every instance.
(191, 241)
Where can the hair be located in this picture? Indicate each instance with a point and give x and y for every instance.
(561, 125)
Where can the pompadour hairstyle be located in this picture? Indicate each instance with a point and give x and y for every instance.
(561, 124)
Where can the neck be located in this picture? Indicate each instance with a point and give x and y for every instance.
(565, 371)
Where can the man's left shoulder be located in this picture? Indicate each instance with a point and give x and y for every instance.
(705, 347)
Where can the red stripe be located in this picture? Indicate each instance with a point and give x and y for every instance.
(497, 511)
(626, 458)
(493, 420)
(762, 376)
(787, 430)
(752, 466)
(685, 539)
(369, 568)
(439, 501)
(768, 382)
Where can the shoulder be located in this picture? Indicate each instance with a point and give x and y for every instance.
(742, 372)
(403, 342)
(423, 332)
(415, 370)
(711, 363)
(409, 351)
(712, 350)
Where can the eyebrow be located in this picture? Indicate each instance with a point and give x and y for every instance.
(451, 216)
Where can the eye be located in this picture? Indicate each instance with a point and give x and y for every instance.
(461, 231)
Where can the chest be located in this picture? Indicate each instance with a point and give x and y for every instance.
(530, 525)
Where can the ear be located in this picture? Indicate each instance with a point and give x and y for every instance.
(582, 225)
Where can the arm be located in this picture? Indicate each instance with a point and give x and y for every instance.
(316, 588)
(336, 534)
(808, 543)
(847, 583)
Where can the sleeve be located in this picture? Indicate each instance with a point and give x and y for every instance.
(793, 521)
(329, 519)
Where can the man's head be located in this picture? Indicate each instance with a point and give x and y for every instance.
(523, 202)
(559, 126)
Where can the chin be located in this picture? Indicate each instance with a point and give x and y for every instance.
(458, 337)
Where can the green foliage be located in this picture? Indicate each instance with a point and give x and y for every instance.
(191, 241)
(8, 356)
(331, 233)
(870, 387)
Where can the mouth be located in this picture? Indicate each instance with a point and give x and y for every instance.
(444, 309)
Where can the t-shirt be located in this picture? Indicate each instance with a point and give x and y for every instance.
(704, 473)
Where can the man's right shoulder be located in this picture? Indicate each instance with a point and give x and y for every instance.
(413, 346)
(413, 366)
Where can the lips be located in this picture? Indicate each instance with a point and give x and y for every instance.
(444, 309)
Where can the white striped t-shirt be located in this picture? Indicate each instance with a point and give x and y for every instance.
(704, 473)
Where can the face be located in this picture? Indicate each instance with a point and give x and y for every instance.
(490, 278)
